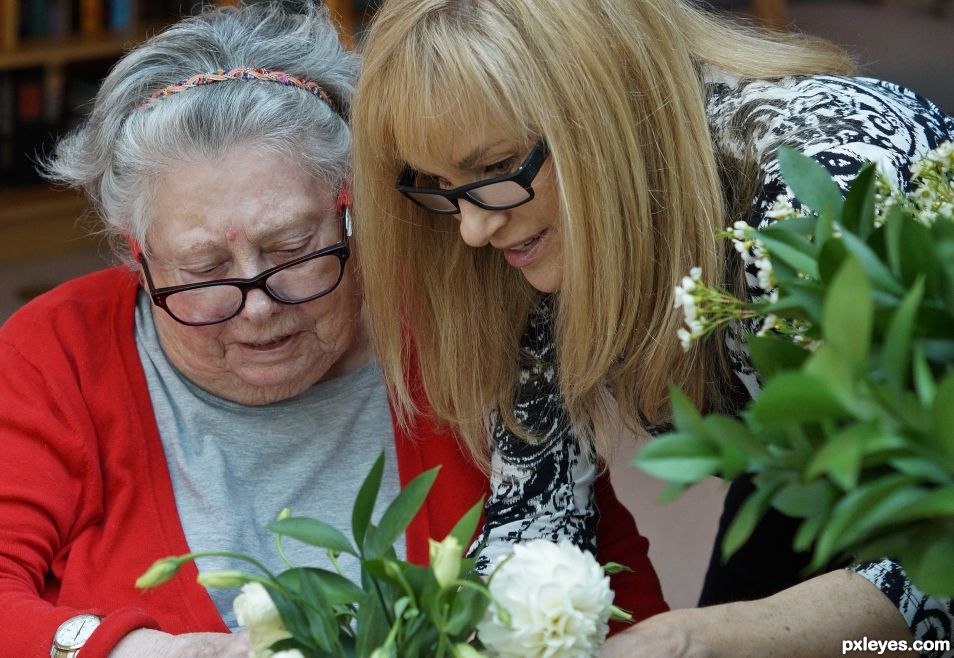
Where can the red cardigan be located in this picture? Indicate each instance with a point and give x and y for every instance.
(86, 501)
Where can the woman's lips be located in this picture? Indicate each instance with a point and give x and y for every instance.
(527, 253)
(268, 346)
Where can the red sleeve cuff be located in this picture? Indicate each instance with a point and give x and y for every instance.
(114, 627)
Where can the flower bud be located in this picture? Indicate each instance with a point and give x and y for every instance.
(445, 559)
(222, 579)
(466, 651)
(160, 572)
(284, 514)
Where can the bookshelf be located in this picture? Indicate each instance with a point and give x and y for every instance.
(41, 54)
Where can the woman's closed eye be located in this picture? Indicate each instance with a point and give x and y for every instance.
(500, 168)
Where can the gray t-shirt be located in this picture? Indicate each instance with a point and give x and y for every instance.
(234, 467)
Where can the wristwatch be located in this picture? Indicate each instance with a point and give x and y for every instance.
(72, 635)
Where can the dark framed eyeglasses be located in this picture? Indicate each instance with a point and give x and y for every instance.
(300, 280)
(497, 193)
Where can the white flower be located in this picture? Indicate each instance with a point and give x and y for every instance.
(679, 296)
(685, 338)
(255, 610)
(289, 653)
(924, 195)
(781, 210)
(767, 325)
(688, 284)
(738, 230)
(766, 278)
(557, 599)
(689, 308)
(695, 273)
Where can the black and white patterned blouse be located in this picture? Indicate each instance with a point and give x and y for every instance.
(546, 489)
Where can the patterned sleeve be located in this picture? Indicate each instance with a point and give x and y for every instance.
(542, 489)
(842, 123)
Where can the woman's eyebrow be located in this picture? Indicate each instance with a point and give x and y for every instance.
(473, 158)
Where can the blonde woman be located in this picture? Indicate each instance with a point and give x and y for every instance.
(532, 178)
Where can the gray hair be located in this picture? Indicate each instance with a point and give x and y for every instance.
(121, 153)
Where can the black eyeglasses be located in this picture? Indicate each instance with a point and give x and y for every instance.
(497, 193)
(300, 280)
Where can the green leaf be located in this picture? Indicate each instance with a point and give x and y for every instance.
(804, 500)
(832, 366)
(918, 254)
(848, 314)
(372, 624)
(399, 514)
(809, 529)
(313, 532)
(364, 503)
(793, 398)
(923, 378)
(612, 568)
(811, 182)
(684, 414)
(671, 491)
(879, 275)
(335, 589)
(840, 456)
(930, 569)
(858, 213)
(801, 262)
(737, 444)
(830, 259)
(896, 352)
(746, 519)
(849, 516)
(937, 503)
(466, 527)
(771, 355)
(679, 457)
(467, 608)
(942, 412)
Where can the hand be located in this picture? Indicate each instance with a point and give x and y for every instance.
(154, 644)
(662, 636)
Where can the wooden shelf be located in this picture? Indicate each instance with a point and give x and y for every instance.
(74, 48)
(39, 221)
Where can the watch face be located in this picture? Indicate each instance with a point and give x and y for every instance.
(73, 633)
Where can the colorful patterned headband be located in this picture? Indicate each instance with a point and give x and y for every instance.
(245, 73)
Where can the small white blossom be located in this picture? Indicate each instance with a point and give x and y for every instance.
(695, 273)
(927, 217)
(255, 610)
(685, 339)
(924, 195)
(740, 246)
(739, 229)
(679, 297)
(688, 284)
(765, 273)
(781, 210)
(689, 311)
(767, 325)
(289, 653)
(558, 601)
(946, 210)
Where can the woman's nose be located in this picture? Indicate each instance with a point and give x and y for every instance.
(259, 306)
(477, 225)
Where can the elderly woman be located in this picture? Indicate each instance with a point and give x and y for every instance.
(179, 402)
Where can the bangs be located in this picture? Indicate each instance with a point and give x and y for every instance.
(434, 93)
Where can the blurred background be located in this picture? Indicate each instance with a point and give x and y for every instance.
(54, 52)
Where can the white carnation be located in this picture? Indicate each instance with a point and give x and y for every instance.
(255, 610)
(557, 599)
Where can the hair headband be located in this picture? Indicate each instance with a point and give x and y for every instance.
(245, 73)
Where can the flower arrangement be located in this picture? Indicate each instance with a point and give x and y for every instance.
(546, 600)
(853, 428)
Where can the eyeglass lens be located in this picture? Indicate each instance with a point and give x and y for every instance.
(297, 283)
(504, 194)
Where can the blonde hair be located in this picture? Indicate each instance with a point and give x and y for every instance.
(614, 86)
